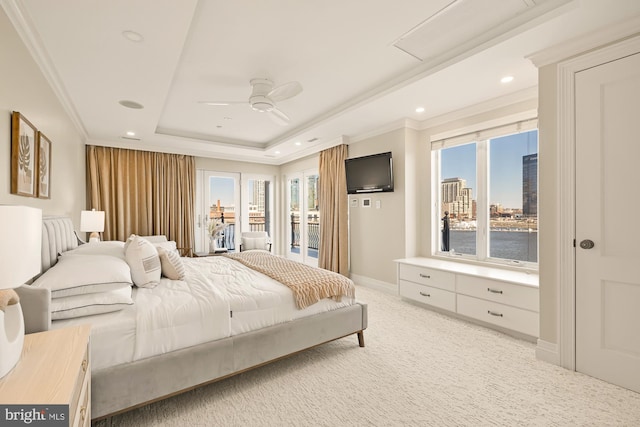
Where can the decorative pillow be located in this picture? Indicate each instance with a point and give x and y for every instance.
(144, 262)
(113, 248)
(76, 274)
(89, 304)
(249, 243)
(169, 246)
(171, 264)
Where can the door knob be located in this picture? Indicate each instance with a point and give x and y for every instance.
(587, 244)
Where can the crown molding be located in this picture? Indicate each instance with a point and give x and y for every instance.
(605, 35)
(24, 26)
(526, 95)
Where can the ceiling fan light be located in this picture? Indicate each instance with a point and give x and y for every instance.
(261, 103)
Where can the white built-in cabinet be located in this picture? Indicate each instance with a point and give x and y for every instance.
(504, 298)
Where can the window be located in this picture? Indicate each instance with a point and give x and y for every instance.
(487, 197)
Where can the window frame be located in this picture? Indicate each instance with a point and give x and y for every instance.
(481, 138)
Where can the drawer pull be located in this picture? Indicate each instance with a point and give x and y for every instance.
(425, 276)
(493, 313)
(84, 365)
(494, 291)
(425, 295)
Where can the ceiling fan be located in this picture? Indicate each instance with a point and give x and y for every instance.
(264, 98)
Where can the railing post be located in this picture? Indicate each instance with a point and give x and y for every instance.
(292, 232)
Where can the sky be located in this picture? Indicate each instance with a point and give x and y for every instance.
(221, 188)
(505, 176)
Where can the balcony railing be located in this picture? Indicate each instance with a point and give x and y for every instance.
(313, 232)
(227, 240)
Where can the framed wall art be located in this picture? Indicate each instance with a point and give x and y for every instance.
(44, 167)
(23, 156)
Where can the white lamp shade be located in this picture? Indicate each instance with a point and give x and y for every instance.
(20, 254)
(92, 221)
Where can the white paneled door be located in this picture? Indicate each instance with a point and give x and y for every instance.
(607, 226)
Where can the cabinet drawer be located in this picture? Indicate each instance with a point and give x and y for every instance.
(428, 295)
(427, 276)
(83, 375)
(517, 319)
(526, 297)
(82, 416)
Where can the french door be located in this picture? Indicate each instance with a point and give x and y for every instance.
(217, 199)
(303, 217)
(257, 204)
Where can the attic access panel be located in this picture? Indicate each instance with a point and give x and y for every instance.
(461, 22)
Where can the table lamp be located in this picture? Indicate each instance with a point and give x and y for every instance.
(93, 222)
(20, 260)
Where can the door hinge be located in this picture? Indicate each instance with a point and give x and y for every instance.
(574, 243)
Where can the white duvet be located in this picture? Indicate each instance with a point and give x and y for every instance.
(218, 299)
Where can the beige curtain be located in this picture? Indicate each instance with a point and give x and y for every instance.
(333, 211)
(142, 193)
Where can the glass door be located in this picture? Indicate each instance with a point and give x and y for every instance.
(303, 222)
(218, 197)
(257, 204)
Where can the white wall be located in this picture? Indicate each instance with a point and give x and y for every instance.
(378, 236)
(23, 88)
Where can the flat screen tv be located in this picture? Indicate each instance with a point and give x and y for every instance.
(370, 174)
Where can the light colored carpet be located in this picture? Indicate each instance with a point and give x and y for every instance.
(419, 368)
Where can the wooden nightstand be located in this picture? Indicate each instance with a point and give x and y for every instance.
(54, 369)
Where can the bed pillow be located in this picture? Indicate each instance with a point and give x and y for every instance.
(84, 274)
(144, 262)
(171, 264)
(90, 304)
(113, 248)
(250, 243)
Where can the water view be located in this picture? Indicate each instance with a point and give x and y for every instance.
(516, 245)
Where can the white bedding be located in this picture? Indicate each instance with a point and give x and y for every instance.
(219, 298)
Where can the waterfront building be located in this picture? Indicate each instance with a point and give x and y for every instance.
(530, 185)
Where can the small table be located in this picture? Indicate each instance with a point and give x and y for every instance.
(218, 251)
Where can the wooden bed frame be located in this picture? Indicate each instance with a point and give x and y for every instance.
(123, 387)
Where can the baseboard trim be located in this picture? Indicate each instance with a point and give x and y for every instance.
(547, 352)
(368, 282)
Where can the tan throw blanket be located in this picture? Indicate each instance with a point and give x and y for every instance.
(309, 284)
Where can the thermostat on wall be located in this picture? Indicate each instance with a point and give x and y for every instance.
(366, 203)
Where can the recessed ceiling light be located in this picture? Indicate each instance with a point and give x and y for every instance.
(131, 133)
(506, 79)
(277, 152)
(131, 104)
(298, 143)
(133, 36)
(420, 110)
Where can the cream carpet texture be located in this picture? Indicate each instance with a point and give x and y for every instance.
(419, 368)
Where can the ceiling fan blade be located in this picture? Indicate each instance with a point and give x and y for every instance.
(278, 117)
(285, 91)
(221, 103)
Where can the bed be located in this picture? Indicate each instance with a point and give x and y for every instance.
(223, 318)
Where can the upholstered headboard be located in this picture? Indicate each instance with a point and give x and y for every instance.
(57, 236)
